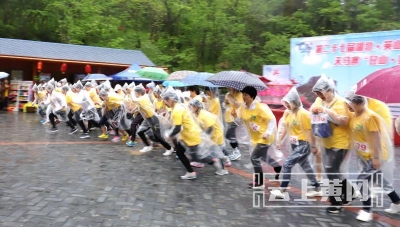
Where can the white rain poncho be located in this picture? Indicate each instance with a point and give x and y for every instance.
(89, 111)
(370, 140)
(125, 86)
(117, 88)
(151, 85)
(295, 138)
(259, 125)
(52, 82)
(94, 83)
(132, 85)
(107, 86)
(114, 110)
(208, 121)
(57, 103)
(330, 117)
(146, 108)
(64, 81)
(206, 147)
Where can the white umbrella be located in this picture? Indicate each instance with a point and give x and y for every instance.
(3, 75)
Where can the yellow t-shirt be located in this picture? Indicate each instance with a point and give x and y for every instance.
(41, 95)
(297, 123)
(382, 110)
(206, 120)
(340, 137)
(145, 106)
(58, 89)
(95, 97)
(190, 132)
(362, 128)
(114, 101)
(256, 119)
(68, 97)
(238, 97)
(159, 106)
(214, 106)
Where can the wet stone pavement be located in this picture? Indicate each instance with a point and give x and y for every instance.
(61, 180)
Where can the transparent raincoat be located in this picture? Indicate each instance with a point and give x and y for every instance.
(191, 134)
(89, 111)
(259, 128)
(114, 110)
(371, 142)
(211, 126)
(158, 124)
(330, 126)
(56, 103)
(294, 136)
(39, 96)
(233, 100)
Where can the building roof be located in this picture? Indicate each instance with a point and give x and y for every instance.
(70, 52)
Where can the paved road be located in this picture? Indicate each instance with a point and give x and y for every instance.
(61, 180)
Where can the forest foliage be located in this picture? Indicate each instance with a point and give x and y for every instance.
(201, 35)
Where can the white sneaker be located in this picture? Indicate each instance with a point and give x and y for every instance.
(222, 172)
(189, 176)
(393, 209)
(278, 194)
(168, 152)
(235, 155)
(314, 194)
(364, 216)
(146, 149)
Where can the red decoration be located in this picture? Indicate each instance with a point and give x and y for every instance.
(63, 68)
(88, 69)
(39, 66)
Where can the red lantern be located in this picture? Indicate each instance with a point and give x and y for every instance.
(39, 66)
(63, 68)
(88, 69)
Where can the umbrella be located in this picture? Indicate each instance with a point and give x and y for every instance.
(142, 79)
(198, 79)
(96, 76)
(237, 80)
(128, 74)
(153, 73)
(179, 75)
(382, 85)
(173, 83)
(3, 75)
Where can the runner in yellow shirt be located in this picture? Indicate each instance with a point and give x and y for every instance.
(40, 96)
(374, 149)
(233, 100)
(132, 108)
(151, 121)
(296, 124)
(210, 124)
(260, 123)
(73, 107)
(213, 104)
(189, 134)
(330, 112)
(113, 112)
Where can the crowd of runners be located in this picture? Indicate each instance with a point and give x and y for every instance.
(197, 128)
